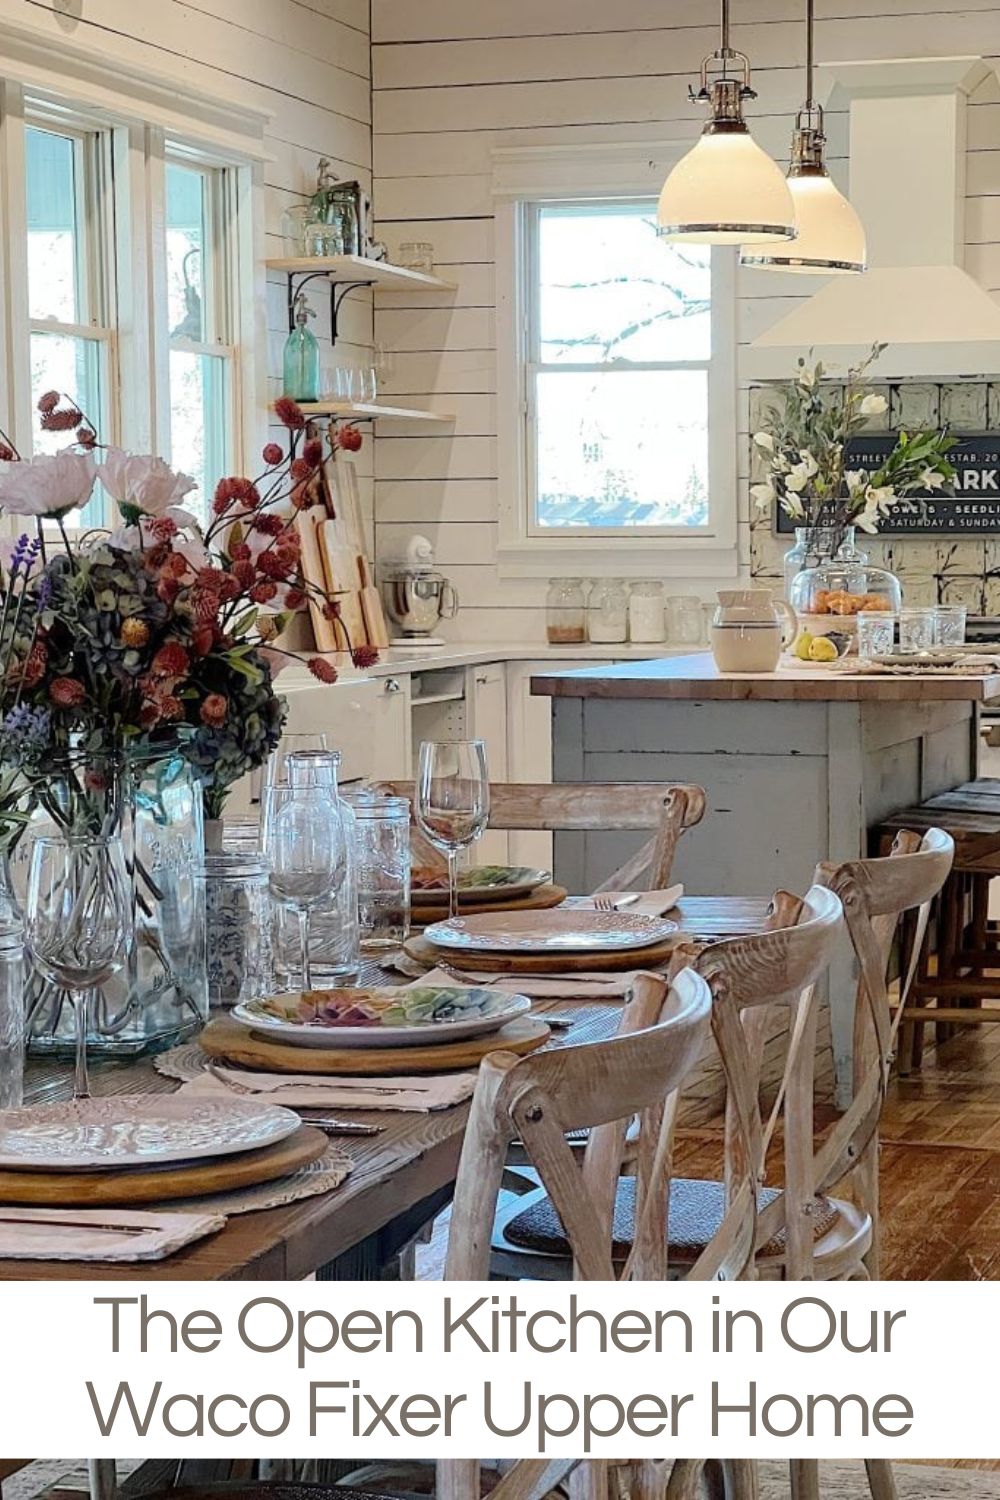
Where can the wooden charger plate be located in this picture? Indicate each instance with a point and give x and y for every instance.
(542, 899)
(224, 1040)
(652, 957)
(160, 1184)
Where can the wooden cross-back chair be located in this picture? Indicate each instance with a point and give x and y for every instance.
(663, 809)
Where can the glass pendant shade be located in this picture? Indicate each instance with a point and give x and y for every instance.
(726, 191)
(831, 238)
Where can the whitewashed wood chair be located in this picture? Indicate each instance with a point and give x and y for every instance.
(663, 809)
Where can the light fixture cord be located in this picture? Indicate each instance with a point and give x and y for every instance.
(810, 53)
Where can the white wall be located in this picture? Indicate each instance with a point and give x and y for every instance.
(454, 79)
(306, 62)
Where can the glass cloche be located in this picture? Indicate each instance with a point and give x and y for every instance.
(829, 597)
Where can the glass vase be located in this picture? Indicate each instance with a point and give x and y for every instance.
(161, 996)
(815, 545)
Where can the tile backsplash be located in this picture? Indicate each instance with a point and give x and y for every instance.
(932, 569)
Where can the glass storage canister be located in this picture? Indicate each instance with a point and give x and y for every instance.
(383, 863)
(829, 598)
(238, 926)
(607, 611)
(11, 1015)
(566, 612)
(814, 545)
(646, 611)
(333, 921)
(685, 620)
(161, 996)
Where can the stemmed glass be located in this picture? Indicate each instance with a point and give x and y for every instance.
(78, 922)
(452, 805)
(304, 839)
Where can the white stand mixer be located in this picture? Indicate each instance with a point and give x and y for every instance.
(417, 596)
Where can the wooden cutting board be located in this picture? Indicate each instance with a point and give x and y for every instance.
(371, 606)
(225, 1041)
(421, 951)
(340, 565)
(314, 573)
(425, 912)
(160, 1184)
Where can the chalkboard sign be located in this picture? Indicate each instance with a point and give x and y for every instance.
(973, 509)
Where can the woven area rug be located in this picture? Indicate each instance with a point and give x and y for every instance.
(846, 1481)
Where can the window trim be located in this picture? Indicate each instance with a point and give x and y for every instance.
(624, 172)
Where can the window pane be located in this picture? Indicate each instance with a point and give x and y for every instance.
(55, 250)
(186, 241)
(62, 363)
(623, 448)
(199, 420)
(611, 290)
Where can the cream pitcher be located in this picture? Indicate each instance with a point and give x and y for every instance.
(747, 631)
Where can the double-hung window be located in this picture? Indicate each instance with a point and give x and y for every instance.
(618, 381)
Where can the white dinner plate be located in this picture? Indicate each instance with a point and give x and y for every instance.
(438, 1014)
(561, 930)
(142, 1130)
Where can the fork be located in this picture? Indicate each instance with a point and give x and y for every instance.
(615, 903)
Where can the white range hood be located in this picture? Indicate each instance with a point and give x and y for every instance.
(907, 153)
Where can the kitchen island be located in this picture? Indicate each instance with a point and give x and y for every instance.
(798, 764)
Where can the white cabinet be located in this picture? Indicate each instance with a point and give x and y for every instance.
(486, 711)
(529, 739)
(392, 749)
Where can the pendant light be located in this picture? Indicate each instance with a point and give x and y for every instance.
(831, 238)
(726, 190)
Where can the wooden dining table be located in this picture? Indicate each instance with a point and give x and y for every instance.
(399, 1179)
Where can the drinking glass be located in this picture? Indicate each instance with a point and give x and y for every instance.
(78, 922)
(950, 625)
(876, 633)
(917, 628)
(304, 840)
(367, 384)
(383, 869)
(452, 800)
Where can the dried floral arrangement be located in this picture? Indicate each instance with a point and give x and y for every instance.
(161, 628)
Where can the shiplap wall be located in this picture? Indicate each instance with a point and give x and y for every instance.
(454, 79)
(306, 62)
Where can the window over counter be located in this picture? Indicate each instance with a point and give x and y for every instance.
(617, 399)
(131, 251)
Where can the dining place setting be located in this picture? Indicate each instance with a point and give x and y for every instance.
(396, 965)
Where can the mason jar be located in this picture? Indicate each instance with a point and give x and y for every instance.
(237, 926)
(383, 864)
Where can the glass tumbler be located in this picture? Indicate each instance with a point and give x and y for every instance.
(917, 629)
(950, 625)
(876, 633)
(11, 1015)
(382, 850)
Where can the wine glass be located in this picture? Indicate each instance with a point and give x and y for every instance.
(78, 922)
(452, 805)
(304, 839)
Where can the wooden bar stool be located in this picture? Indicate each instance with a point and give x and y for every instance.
(951, 980)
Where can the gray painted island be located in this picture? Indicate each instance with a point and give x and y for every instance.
(798, 765)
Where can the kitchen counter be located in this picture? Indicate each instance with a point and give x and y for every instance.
(798, 765)
(698, 679)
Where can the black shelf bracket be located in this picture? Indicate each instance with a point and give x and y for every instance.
(299, 280)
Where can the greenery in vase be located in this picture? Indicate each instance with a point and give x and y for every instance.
(803, 443)
(158, 629)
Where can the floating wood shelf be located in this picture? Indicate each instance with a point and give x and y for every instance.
(351, 411)
(357, 270)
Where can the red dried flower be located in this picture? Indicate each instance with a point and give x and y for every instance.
(67, 692)
(240, 552)
(167, 590)
(273, 453)
(245, 574)
(232, 490)
(364, 656)
(331, 610)
(62, 421)
(35, 663)
(163, 528)
(214, 710)
(86, 437)
(289, 413)
(7, 454)
(301, 498)
(202, 639)
(206, 609)
(175, 566)
(268, 524)
(324, 671)
(209, 580)
(300, 469)
(349, 438)
(149, 715)
(48, 402)
(171, 707)
(263, 593)
(274, 565)
(170, 661)
(312, 453)
(231, 588)
(294, 599)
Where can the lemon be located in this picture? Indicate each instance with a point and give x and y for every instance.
(822, 650)
(803, 646)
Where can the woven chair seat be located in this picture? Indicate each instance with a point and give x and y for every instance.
(696, 1212)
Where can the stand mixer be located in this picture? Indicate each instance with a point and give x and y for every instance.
(416, 596)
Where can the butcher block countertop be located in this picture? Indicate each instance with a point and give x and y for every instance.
(697, 679)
